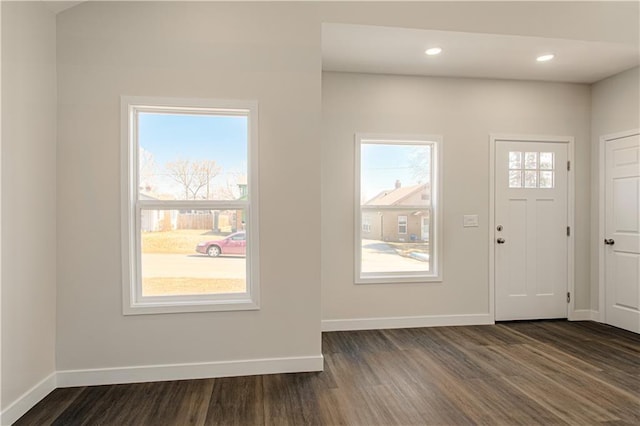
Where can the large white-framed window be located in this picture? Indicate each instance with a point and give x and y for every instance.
(398, 197)
(189, 205)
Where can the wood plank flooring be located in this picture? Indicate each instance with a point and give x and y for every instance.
(519, 373)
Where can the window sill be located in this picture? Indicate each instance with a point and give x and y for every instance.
(174, 307)
(396, 279)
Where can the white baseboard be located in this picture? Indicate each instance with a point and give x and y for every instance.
(24, 403)
(584, 315)
(405, 322)
(156, 373)
(205, 370)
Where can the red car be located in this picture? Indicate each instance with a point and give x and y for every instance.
(233, 244)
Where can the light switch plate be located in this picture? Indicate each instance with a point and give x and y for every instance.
(470, 220)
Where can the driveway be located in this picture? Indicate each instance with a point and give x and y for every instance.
(196, 266)
(378, 256)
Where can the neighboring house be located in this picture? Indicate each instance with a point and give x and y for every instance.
(232, 220)
(157, 220)
(240, 214)
(400, 214)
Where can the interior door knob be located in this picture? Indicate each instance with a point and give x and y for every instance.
(609, 241)
(500, 241)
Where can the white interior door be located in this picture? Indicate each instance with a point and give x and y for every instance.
(622, 233)
(530, 234)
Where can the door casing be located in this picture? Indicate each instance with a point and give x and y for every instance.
(569, 140)
(600, 316)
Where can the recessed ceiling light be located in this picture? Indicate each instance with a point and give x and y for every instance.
(545, 58)
(433, 51)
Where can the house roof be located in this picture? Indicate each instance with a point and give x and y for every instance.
(394, 197)
(144, 195)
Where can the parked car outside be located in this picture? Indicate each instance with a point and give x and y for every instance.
(233, 244)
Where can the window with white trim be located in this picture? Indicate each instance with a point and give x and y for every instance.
(366, 225)
(398, 208)
(190, 221)
(402, 224)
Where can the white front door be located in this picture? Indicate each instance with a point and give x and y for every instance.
(622, 233)
(530, 234)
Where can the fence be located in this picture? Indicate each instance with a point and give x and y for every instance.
(195, 221)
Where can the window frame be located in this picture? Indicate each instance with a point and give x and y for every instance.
(366, 226)
(133, 301)
(436, 208)
(403, 223)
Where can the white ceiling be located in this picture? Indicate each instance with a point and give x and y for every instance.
(386, 50)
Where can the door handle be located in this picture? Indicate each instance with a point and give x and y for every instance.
(609, 241)
(500, 240)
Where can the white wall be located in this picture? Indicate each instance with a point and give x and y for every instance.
(28, 198)
(615, 107)
(271, 52)
(565, 112)
(464, 112)
(206, 50)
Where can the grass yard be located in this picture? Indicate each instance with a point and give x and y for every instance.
(179, 241)
(181, 286)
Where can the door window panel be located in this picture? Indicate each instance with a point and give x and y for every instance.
(531, 170)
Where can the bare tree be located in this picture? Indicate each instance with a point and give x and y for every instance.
(230, 190)
(180, 172)
(203, 173)
(193, 177)
(419, 162)
(147, 170)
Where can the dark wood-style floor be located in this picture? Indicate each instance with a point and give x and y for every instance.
(520, 373)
